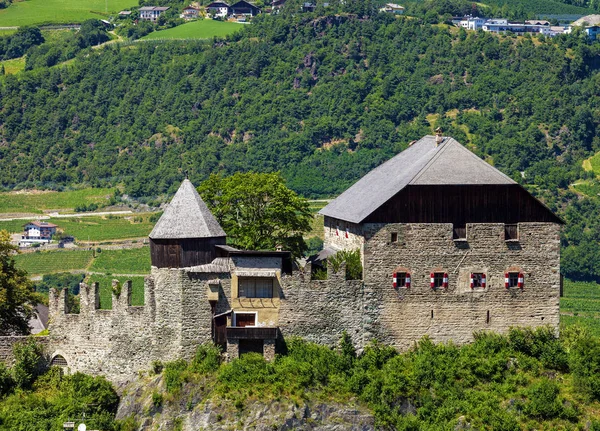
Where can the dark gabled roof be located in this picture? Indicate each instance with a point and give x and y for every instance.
(244, 3)
(423, 163)
(187, 216)
(217, 4)
(41, 224)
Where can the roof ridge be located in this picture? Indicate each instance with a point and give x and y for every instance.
(442, 147)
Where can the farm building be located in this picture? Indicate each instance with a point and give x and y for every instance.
(151, 13)
(38, 232)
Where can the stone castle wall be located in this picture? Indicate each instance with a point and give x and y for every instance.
(177, 317)
(400, 316)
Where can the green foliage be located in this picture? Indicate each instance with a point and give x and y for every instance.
(17, 44)
(6, 380)
(313, 245)
(540, 343)
(206, 360)
(175, 375)
(585, 365)
(544, 401)
(16, 291)
(58, 281)
(106, 292)
(258, 212)
(157, 399)
(28, 363)
(352, 259)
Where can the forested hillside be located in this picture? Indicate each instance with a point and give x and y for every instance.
(323, 99)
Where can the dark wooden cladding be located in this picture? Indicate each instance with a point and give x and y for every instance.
(248, 333)
(183, 253)
(461, 204)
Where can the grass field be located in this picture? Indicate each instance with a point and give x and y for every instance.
(35, 202)
(30, 12)
(14, 65)
(126, 261)
(580, 305)
(137, 287)
(201, 29)
(593, 164)
(48, 262)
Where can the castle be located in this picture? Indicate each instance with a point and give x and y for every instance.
(449, 246)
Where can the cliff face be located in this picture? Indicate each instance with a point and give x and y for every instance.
(194, 408)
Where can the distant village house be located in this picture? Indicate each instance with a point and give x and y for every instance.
(151, 13)
(190, 12)
(218, 9)
(394, 8)
(244, 8)
(38, 232)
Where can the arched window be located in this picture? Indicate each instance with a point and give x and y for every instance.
(58, 361)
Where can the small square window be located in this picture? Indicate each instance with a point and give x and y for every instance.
(478, 280)
(511, 232)
(438, 280)
(394, 237)
(513, 279)
(402, 280)
(459, 231)
(255, 287)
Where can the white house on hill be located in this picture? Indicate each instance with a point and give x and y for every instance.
(38, 232)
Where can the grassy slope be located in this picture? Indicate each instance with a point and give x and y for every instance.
(14, 65)
(47, 262)
(580, 304)
(127, 261)
(59, 11)
(92, 228)
(38, 201)
(201, 29)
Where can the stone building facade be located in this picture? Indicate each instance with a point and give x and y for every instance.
(445, 270)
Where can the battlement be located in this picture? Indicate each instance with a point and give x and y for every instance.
(89, 296)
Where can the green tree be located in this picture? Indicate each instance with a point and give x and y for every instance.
(258, 211)
(16, 291)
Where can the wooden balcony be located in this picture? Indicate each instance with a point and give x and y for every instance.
(251, 333)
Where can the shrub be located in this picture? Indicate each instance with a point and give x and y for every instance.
(28, 363)
(157, 367)
(540, 343)
(175, 375)
(353, 262)
(157, 399)
(207, 359)
(544, 401)
(6, 380)
(585, 365)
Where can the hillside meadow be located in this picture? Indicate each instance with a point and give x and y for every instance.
(200, 29)
(40, 201)
(36, 12)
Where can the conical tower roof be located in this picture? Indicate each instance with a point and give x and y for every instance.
(187, 216)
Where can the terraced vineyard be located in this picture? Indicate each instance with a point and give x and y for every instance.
(48, 262)
(580, 305)
(126, 261)
(96, 229)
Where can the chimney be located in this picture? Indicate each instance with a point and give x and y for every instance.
(438, 136)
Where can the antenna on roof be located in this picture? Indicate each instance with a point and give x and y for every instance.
(187, 174)
(438, 136)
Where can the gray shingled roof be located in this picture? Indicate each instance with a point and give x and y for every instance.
(423, 163)
(187, 216)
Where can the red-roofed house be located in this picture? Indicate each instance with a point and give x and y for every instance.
(38, 231)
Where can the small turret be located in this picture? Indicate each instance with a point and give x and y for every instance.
(187, 232)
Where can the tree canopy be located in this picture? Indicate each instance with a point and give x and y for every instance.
(258, 212)
(16, 291)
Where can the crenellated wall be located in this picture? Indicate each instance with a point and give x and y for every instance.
(177, 317)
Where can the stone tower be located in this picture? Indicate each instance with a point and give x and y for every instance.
(186, 233)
